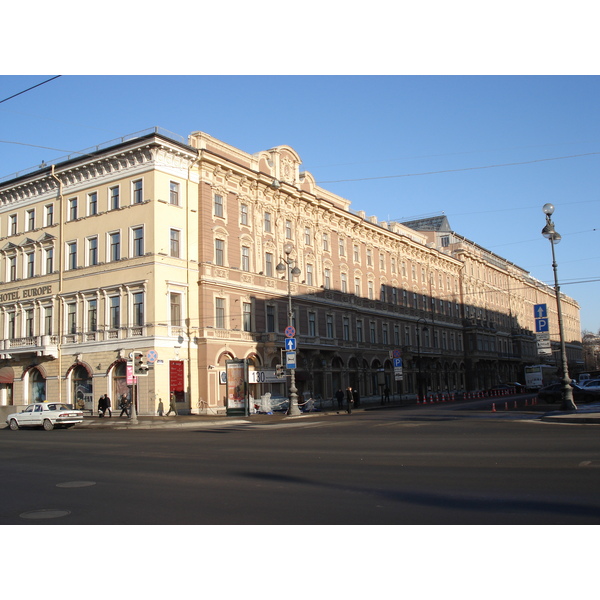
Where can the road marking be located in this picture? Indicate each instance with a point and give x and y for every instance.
(75, 484)
(45, 513)
(590, 463)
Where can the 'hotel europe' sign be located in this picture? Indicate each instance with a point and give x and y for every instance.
(43, 290)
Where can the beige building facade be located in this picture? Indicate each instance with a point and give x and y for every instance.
(169, 248)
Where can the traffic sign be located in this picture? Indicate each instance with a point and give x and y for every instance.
(290, 331)
(396, 353)
(540, 311)
(152, 356)
(397, 363)
(290, 344)
(290, 360)
(541, 325)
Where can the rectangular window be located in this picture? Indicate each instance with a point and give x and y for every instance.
(49, 260)
(245, 258)
(382, 294)
(359, 330)
(220, 313)
(342, 248)
(309, 274)
(72, 318)
(93, 204)
(115, 312)
(357, 286)
(288, 230)
(31, 220)
(307, 236)
(72, 255)
(174, 193)
(312, 324)
(356, 253)
(49, 215)
(344, 278)
(247, 316)
(138, 241)
(384, 334)
(396, 335)
(30, 258)
(346, 328)
(137, 191)
(73, 209)
(114, 198)
(115, 246)
(370, 290)
(382, 262)
(267, 222)
(369, 258)
(329, 326)
(244, 214)
(325, 242)
(12, 222)
(372, 331)
(12, 268)
(138, 309)
(92, 251)
(270, 318)
(29, 322)
(327, 279)
(174, 248)
(219, 253)
(12, 322)
(92, 315)
(47, 320)
(175, 309)
(269, 264)
(218, 205)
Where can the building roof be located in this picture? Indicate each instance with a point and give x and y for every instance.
(437, 223)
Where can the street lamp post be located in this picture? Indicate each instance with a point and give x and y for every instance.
(551, 234)
(292, 271)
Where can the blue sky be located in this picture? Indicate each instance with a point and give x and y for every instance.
(488, 151)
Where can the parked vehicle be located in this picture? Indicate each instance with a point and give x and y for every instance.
(538, 376)
(591, 384)
(553, 393)
(45, 414)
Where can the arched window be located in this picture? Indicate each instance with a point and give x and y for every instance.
(37, 386)
(82, 388)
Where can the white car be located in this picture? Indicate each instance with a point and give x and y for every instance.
(45, 414)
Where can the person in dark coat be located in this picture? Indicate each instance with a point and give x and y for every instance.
(349, 400)
(339, 395)
(356, 398)
(124, 405)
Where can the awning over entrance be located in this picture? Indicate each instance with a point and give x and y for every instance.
(7, 375)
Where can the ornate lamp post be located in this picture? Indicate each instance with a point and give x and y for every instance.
(289, 264)
(551, 234)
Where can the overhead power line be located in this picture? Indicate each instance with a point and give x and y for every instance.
(30, 88)
(526, 162)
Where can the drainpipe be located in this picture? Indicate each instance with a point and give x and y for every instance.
(60, 280)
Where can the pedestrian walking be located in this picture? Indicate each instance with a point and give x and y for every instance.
(161, 407)
(386, 395)
(349, 400)
(124, 405)
(101, 407)
(356, 398)
(108, 406)
(339, 395)
(172, 407)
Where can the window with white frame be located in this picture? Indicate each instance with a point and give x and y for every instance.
(344, 282)
(12, 225)
(137, 191)
(138, 309)
(269, 264)
(114, 246)
(30, 264)
(219, 252)
(307, 236)
(243, 214)
(12, 268)
(309, 274)
(173, 193)
(245, 258)
(329, 326)
(49, 215)
(175, 304)
(92, 250)
(114, 201)
(92, 315)
(218, 205)
(48, 261)
(327, 279)
(31, 219)
(174, 239)
(47, 320)
(137, 241)
(267, 222)
(72, 317)
(92, 203)
(72, 209)
(114, 312)
(71, 255)
(247, 316)
(325, 242)
(220, 313)
(288, 230)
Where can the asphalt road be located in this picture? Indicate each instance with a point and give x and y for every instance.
(388, 467)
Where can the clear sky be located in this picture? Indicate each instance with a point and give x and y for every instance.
(488, 151)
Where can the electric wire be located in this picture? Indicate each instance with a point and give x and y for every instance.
(30, 88)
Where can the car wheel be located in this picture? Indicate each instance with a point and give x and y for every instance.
(48, 425)
(14, 425)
